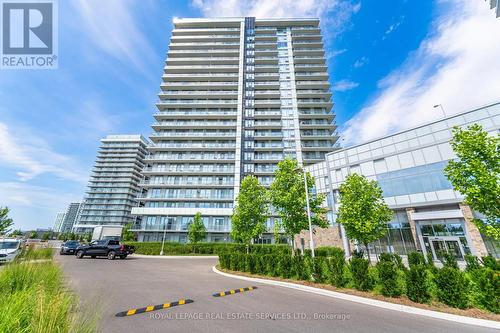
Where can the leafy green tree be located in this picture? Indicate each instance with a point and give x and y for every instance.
(72, 236)
(16, 233)
(127, 235)
(88, 237)
(250, 213)
(476, 174)
(196, 230)
(362, 210)
(5, 221)
(33, 235)
(288, 198)
(46, 236)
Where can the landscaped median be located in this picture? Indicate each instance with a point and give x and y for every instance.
(34, 297)
(173, 249)
(474, 293)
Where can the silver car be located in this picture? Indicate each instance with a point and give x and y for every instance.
(10, 248)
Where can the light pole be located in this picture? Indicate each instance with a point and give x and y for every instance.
(311, 241)
(164, 234)
(442, 109)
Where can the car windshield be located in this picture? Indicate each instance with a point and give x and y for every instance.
(8, 245)
(71, 243)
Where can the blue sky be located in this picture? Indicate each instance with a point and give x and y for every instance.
(389, 63)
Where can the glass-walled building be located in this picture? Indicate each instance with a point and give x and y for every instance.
(430, 215)
(238, 95)
(114, 184)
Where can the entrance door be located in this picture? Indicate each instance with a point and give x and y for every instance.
(452, 245)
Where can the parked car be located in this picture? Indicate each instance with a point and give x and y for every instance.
(10, 248)
(105, 248)
(69, 247)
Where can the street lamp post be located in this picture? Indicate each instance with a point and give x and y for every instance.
(311, 241)
(442, 109)
(164, 234)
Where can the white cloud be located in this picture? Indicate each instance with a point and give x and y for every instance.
(344, 85)
(334, 14)
(32, 157)
(361, 62)
(33, 206)
(393, 27)
(335, 53)
(456, 66)
(111, 26)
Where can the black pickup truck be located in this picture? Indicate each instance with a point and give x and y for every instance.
(104, 248)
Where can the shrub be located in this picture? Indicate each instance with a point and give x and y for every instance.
(322, 272)
(417, 279)
(452, 287)
(360, 274)
(284, 266)
(387, 269)
(491, 262)
(416, 258)
(449, 260)
(224, 260)
(488, 283)
(473, 263)
(172, 248)
(308, 268)
(337, 266)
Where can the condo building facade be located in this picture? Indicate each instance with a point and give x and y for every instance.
(58, 222)
(71, 217)
(238, 96)
(429, 215)
(114, 183)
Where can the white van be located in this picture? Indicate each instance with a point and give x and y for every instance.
(10, 248)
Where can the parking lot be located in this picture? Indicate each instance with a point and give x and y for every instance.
(115, 286)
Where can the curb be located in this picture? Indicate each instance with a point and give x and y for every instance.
(173, 257)
(369, 301)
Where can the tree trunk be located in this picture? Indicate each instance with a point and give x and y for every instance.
(293, 246)
(368, 254)
(248, 248)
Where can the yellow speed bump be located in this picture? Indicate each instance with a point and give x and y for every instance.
(233, 291)
(150, 308)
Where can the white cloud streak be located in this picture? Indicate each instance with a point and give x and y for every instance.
(344, 85)
(111, 26)
(456, 66)
(32, 157)
(334, 14)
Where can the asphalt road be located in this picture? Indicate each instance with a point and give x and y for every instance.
(114, 286)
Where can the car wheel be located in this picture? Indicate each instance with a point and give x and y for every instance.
(111, 255)
(79, 254)
(123, 256)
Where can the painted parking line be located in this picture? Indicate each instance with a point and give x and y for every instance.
(233, 291)
(150, 308)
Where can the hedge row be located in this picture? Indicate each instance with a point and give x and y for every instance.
(171, 248)
(478, 286)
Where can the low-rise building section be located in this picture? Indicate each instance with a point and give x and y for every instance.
(429, 215)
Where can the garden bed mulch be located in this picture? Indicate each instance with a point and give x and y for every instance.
(433, 306)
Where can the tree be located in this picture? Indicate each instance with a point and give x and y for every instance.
(476, 174)
(33, 235)
(16, 233)
(196, 230)
(362, 210)
(127, 235)
(46, 236)
(5, 221)
(250, 213)
(288, 198)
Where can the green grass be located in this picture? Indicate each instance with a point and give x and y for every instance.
(34, 299)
